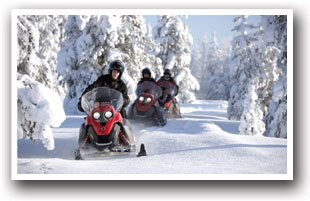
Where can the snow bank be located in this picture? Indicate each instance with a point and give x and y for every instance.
(39, 108)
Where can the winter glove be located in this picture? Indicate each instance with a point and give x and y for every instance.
(168, 98)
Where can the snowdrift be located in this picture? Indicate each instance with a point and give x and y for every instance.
(39, 108)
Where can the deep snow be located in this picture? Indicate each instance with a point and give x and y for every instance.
(202, 142)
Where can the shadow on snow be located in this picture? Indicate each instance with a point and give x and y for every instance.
(228, 146)
(64, 149)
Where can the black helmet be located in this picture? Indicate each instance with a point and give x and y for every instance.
(167, 71)
(146, 70)
(117, 65)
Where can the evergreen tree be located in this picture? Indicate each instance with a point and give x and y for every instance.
(39, 40)
(226, 78)
(269, 59)
(199, 59)
(68, 55)
(138, 47)
(198, 65)
(216, 81)
(39, 106)
(210, 66)
(28, 43)
(251, 122)
(214, 54)
(275, 37)
(265, 75)
(90, 44)
(152, 49)
(244, 67)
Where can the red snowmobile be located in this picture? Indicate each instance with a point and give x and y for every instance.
(105, 131)
(146, 108)
(171, 106)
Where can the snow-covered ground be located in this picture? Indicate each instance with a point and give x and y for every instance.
(203, 142)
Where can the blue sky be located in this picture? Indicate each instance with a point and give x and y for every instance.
(200, 24)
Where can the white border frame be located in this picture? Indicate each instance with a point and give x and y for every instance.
(287, 176)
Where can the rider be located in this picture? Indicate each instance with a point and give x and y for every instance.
(147, 76)
(111, 80)
(167, 77)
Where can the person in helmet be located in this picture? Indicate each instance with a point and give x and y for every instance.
(111, 80)
(167, 77)
(146, 76)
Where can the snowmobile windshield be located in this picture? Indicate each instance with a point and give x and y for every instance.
(168, 87)
(102, 95)
(149, 87)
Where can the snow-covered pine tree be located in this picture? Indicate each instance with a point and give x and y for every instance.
(275, 37)
(68, 55)
(226, 55)
(199, 59)
(69, 60)
(87, 53)
(198, 65)
(268, 74)
(210, 66)
(39, 39)
(74, 26)
(269, 63)
(214, 54)
(244, 67)
(195, 68)
(248, 78)
(27, 41)
(251, 122)
(138, 47)
(216, 81)
(38, 108)
(51, 39)
(152, 49)
(175, 40)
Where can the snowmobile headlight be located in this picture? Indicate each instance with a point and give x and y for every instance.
(96, 115)
(108, 114)
(149, 99)
(141, 98)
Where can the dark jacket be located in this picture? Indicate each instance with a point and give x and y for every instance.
(162, 78)
(170, 80)
(108, 81)
(146, 79)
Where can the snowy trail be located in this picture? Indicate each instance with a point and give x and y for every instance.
(202, 142)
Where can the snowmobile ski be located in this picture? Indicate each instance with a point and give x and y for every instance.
(77, 155)
(93, 154)
(142, 151)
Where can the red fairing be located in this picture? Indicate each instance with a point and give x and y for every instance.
(146, 106)
(107, 128)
